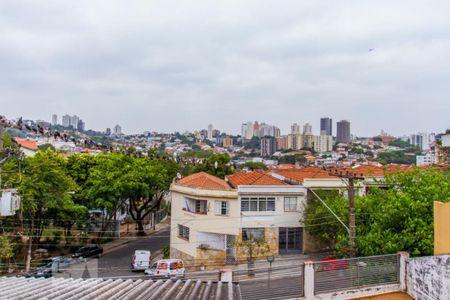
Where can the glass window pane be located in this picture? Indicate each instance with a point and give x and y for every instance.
(253, 205)
(245, 205)
(262, 205)
(271, 205)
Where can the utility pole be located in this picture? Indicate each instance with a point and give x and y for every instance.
(350, 178)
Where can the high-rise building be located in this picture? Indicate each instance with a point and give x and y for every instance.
(295, 141)
(117, 130)
(268, 146)
(420, 140)
(108, 131)
(268, 130)
(54, 120)
(343, 132)
(282, 142)
(210, 132)
(81, 125)
(227, 141)
(295, 128)
(74, 121)
(323, 143)
(308, 141)
(66, 119)
(307, 129)
(247, 130)
(326, 126)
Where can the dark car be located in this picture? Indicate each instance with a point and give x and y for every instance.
(88, 251)
(47, 267)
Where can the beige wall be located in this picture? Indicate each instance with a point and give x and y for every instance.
(197, 222)
(441, 228)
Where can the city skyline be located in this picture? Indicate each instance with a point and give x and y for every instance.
(174, 70)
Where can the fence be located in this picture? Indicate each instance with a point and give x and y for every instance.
(342, 274)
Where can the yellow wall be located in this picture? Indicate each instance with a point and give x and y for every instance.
(441, 228)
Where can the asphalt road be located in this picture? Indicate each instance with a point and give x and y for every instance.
(117, 262)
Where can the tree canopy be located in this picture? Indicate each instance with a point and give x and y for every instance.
(397, 216)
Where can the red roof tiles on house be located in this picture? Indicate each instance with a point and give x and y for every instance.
(303, 173)
(26, 143)
(204, 180)
(253, 178)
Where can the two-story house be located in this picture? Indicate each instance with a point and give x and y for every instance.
(212, 218)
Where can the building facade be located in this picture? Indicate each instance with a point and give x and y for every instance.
(214, 220)
(268, 146)
(326, 126)
(343, 132)
(323, 143)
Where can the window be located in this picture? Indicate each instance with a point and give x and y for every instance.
(195, 206)
(183, 232)
(253, 234)
(200, 207)
(290, 203)
(258, 204)
(221, 208)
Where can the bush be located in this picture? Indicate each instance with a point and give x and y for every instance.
(166, 252)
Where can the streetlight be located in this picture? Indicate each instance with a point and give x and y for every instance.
(270, 260)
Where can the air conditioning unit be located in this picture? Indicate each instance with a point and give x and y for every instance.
(9, 202)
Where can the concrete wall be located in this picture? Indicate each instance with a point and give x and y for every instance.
(429, 277)
(441, 228)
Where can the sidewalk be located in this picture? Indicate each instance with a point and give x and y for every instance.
(113, 245)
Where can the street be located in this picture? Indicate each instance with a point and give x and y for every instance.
(117, 262)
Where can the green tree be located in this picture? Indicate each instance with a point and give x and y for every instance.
(44, 189)
(253, 165)
(395, 157)
(209, 165)
(104, 187)
(6, 250)
(397, 216)
(320, 222)
(144, 184)
(254, 144)
(400, 217)
(46, 146)
(400, 143)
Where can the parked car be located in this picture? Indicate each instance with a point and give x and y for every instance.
(141, 260)
(166, 268)
(88, 251)
(49, 266)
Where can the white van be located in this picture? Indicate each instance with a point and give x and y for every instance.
(166, 268)
(141, 260)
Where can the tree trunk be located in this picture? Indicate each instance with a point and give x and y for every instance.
(141, 231)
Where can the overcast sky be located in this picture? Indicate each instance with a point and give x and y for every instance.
(180, 65)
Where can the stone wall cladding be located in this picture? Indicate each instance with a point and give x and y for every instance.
(270, 247)
(188, 260)
(210, 259)
(429, 277)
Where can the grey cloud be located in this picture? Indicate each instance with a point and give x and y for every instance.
(177, 65)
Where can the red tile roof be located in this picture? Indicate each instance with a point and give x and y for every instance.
(303, 173)
(253, 178)
(26, 143)
(204, 180)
